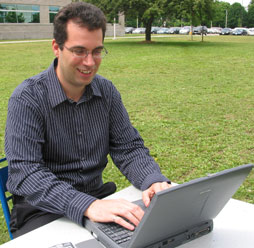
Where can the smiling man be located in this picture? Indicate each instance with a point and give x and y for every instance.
(61, 126)
(79, 58)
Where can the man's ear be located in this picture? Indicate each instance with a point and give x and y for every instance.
(55, 48)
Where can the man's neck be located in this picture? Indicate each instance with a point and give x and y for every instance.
(73, 94)
(71, 91)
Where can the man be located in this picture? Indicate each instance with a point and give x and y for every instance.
(61, 126)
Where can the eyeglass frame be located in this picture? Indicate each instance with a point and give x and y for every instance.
(71, 49)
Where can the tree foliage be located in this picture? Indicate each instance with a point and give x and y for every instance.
(149, 10)
(251, 14)
(220, 11)
(196, 12)
(199, 12)
(237, 16)
(146, 10)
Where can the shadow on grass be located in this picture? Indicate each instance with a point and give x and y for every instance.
(179, 43)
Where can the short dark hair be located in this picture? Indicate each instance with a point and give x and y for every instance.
(84, 14)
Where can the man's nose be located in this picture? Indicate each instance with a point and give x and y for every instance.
(89, 60)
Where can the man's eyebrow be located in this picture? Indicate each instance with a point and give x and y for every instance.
(82, 47)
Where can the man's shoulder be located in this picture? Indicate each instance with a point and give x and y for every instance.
(101, 81)
(104, 85)
(30, 86)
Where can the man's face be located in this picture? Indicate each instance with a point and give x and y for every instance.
(77, 72)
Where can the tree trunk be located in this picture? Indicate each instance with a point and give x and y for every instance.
(148, 26)
(202, 32)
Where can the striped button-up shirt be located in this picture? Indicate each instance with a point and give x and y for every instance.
(57, 149)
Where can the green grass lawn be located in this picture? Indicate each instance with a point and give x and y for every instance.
(191, 101)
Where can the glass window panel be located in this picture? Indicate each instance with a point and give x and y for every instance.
(19, 13)
(11, 17)
(20, 7)
(51, 17)
(19, 17)
(2, 6)
(31, 8)
(2, 17)
(35, 7)
(8, 6)
(54, 8)
(23, 7)
(35, 18)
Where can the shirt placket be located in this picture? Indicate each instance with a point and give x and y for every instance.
(80, 127)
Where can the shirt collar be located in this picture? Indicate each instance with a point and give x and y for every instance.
(56, 92)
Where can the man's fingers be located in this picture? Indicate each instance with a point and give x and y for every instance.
(132, 213)
(119, 211)
(161, 186)
(152, 190)
(147, 196)
(120, 221)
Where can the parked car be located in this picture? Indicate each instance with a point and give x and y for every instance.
(128, 30)
(185, 30)
(154, 30)
(239, 31)
(174, 30)
(250, 31)
(139, 31)
(163, 31)
(214, 30)
(226, 31)
(217, 30)
(200, 30)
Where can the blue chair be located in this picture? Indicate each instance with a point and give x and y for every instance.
(3, 198)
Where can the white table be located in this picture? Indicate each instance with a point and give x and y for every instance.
(233, 227)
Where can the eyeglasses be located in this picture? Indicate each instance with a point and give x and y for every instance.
(81, 52)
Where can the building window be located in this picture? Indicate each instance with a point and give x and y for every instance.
(53, 10)
(17, 13)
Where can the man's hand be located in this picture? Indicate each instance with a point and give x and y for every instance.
(113, 211)
(154, 188)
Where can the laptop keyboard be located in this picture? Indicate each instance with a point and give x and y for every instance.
(116, 232)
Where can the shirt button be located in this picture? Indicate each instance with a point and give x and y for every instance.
(79, 133)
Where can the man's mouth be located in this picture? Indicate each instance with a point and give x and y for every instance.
(85, 71)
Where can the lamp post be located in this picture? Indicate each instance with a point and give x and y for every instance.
(114, 28)
(242, 15)
(226, 22)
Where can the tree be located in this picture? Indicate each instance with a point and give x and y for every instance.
(237, 16)
(220, 10)
(151, 10)
(203, 12)
(198, 11)
(251, 14)
(109, 7)
(146, 10)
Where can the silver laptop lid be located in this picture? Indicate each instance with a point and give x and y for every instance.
(174, 210)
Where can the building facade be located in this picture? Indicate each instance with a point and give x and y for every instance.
(32, 19)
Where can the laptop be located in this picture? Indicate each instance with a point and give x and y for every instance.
(176, 215)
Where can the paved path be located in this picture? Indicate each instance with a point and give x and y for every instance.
(106, 38)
